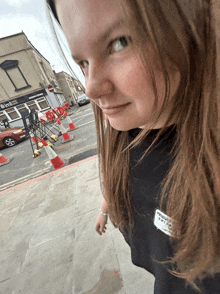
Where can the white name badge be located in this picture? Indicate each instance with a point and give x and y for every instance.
(163, 222)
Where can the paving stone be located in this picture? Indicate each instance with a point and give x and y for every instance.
(99, 258)
(16, 243)
(88, 196)
(53, 225)
(61, 195)
(47, 269)
(7, 219)
(13, 199)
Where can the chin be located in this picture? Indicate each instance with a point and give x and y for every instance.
(121, 126)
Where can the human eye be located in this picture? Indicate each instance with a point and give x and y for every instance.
(84, 64)
(119, 44)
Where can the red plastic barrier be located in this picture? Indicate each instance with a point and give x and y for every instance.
(59, 110)
(49, 115)
(66, 105)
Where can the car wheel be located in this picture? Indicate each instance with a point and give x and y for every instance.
(9, 142)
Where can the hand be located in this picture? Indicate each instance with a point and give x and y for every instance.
(100, 223)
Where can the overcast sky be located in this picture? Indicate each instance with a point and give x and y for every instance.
(30, 17)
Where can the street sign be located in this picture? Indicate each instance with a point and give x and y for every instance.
(50, 88)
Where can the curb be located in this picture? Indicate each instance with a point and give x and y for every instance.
(69, 163)
(82, 156)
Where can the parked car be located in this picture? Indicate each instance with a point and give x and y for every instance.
(83, 99)
(11, 136)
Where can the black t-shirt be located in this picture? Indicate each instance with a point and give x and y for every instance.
(148, 243)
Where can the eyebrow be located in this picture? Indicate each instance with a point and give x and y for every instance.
(104, 36)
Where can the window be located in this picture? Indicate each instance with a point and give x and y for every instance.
(12, 113)
(32, 105)
(42, 103)
(15, 74)
(17, 78)
(2, 116)
(21, 108)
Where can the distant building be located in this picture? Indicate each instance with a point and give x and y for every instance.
(24, 79)
(71, 87)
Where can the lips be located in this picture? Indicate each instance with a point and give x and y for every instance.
(110, 110)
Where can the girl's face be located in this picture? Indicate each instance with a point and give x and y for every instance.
(116, 81)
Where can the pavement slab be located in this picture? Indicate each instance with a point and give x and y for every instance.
(12, 200)
(67, 197)
(46, 269)
(53, 225)
(135, 279)
(98, 252)
(84, 205)
(7, 219)
(38, 193)
(15, 245)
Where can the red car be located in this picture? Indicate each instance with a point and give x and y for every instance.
(11, 136)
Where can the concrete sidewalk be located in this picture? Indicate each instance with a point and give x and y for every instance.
(48, 241)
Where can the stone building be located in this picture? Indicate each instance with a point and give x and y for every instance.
(24, 77)
(71, 87)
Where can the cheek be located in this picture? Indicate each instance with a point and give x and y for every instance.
(133, 80)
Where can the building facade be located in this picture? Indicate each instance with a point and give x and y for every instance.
(24, 78)
(71, 87)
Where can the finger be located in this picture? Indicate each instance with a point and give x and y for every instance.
(98, 230)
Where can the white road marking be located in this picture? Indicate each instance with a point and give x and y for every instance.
(85, 114)
(80, 118)
(85, 123)
(78, 110)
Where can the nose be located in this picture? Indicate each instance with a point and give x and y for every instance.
(98, 82)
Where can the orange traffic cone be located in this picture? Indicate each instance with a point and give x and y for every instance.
(54, 158)
(66, 136)
(70, 123)
(4, 160)
(33, 138)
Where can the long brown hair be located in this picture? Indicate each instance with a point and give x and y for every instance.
(182, 32)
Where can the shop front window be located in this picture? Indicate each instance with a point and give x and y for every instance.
(21, 108)
(42, 103)
(32, 105)
(12, 113)
(2, 116)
